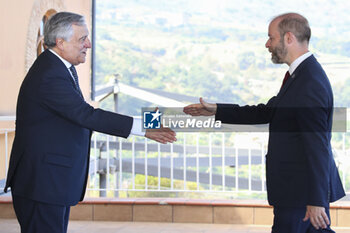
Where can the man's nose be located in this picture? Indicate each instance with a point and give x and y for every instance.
(87, 43)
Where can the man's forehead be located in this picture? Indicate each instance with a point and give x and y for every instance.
(80, 29)
(273, 25)
(275, 22)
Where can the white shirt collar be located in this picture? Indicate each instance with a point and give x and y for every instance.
(65, 62)
(298, 61)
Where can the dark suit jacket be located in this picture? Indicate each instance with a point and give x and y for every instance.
(50, 155)
(300, 169)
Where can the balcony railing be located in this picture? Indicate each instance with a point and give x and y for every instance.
(210, 163)
(5, 132)
(197, 162)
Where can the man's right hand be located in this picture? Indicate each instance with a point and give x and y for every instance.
(162, 135)
(201, 109)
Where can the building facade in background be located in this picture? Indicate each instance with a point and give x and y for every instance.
(20, 44)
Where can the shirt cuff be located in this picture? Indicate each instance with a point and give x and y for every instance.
(137, 127)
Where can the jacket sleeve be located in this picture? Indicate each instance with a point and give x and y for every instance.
(58, 95)
(249, 114)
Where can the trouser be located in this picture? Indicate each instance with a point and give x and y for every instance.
(38, 217)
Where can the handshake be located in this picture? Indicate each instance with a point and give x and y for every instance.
(165, 135)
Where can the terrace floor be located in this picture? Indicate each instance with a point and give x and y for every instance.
(11, 226)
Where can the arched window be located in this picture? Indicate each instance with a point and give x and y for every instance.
(40, 37)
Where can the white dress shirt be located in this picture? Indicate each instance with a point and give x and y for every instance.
(65, 62)
(298, 61)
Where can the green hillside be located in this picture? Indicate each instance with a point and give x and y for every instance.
(212, 49)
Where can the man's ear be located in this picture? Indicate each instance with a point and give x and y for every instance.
(60, 44)
(289, 38)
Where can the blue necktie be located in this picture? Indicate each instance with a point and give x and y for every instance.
(76, 80)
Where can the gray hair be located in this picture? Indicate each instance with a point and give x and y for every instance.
(60, 26)
(296, 24)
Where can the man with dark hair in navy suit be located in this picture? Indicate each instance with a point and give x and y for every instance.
(49, 161)
(301, 175)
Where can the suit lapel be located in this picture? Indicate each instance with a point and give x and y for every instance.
(285, 88)
(287, 85)
(62, 66)
(293, 78)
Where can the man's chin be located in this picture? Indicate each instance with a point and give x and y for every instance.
(276, 60)
(82, 60)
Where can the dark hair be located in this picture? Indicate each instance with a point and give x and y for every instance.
(296, 24)
(60, 26)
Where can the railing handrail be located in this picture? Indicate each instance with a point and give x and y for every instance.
(7, 118)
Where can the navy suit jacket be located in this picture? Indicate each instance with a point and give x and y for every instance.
(50, 154)
(300, 168)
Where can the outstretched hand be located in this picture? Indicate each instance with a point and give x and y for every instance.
(162, 135)
(201, 109)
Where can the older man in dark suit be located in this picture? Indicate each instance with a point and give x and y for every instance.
(301, 175)
(50, 157)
